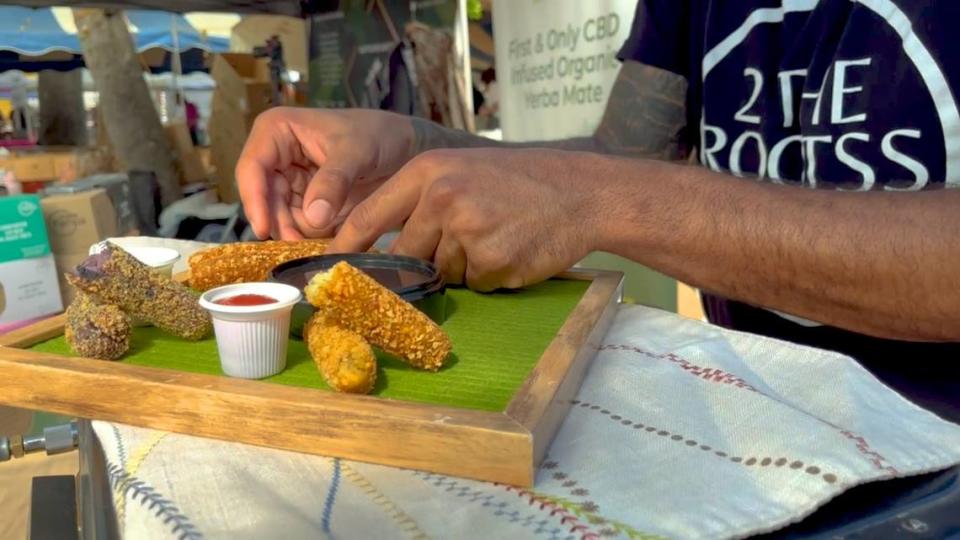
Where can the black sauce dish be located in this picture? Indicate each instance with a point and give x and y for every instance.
(415, 280)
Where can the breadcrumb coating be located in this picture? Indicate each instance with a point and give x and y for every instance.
(346, 360)
(113, 276)
(246, 262)
(359, 303)
(97, 330)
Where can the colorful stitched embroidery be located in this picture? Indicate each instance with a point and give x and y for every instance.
(125, 484)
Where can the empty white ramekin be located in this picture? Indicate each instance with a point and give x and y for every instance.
(252, 340)
(159, 259)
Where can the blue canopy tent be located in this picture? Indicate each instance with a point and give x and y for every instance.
(46, 38)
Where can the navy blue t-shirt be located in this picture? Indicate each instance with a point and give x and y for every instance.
(838, 94)
(827, 94)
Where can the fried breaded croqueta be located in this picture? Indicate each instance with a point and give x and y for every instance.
(113, 276)
(96, 330)
(357, 302)
(246, 262)
(345, 359)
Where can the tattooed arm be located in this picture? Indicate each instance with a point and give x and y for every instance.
(302, 171)
(644, 117)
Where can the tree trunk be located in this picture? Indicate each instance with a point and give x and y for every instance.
(63, 118)
(132, 121)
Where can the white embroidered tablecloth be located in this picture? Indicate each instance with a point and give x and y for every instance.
(680, 430)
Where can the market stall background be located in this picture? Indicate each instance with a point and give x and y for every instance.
(92, 213)
(291, 8)
(46, 38)
(366, 32)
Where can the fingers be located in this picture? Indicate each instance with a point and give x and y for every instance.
(387, 208)
(451, 260)
(490, 266)
(254, 194)
(298, 179)
(478, 280)
(262, 154)
(297, 142)
(327, 192)
(282, 223)
(286, 226)
(299, 214)
(307, 230)
(420, 234)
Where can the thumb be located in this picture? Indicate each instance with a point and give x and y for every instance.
(326, 193)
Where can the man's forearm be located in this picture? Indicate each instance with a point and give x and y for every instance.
(879, 263)
(645, 117)
(430, 136)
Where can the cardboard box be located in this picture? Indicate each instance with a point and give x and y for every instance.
(64, 264)
(50, 163)
(191, 167)
(245, 65)
(251, 101)
(243, 81)
(31, 167)
(243, 91)
(234, 71)
(83, 162)
(28, 275)
(228, 132)
(118, 188)
(203, 152)
(77, 221)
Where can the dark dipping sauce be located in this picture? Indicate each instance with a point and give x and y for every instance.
(393, 279)
(245, 300)
(415, 280)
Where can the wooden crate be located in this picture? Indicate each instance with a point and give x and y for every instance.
(53, 163)
(501, 447)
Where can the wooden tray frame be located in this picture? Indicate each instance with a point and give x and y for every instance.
(503, 447)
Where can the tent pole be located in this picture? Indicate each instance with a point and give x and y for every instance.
(176, 65)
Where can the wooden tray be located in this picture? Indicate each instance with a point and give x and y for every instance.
(503, 447)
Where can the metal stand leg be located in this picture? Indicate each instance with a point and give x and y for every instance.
(53, 508)
(96, 514)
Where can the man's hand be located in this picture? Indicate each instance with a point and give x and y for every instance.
(302, 170)
(489, 218)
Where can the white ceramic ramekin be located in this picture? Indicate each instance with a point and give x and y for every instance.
(159, 259)
(252, 340)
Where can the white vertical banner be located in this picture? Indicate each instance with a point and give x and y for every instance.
(461, 40)
(556, 63)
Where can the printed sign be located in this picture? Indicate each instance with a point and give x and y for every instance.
(556, 63)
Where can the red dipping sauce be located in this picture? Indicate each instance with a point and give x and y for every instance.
(245, 300)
